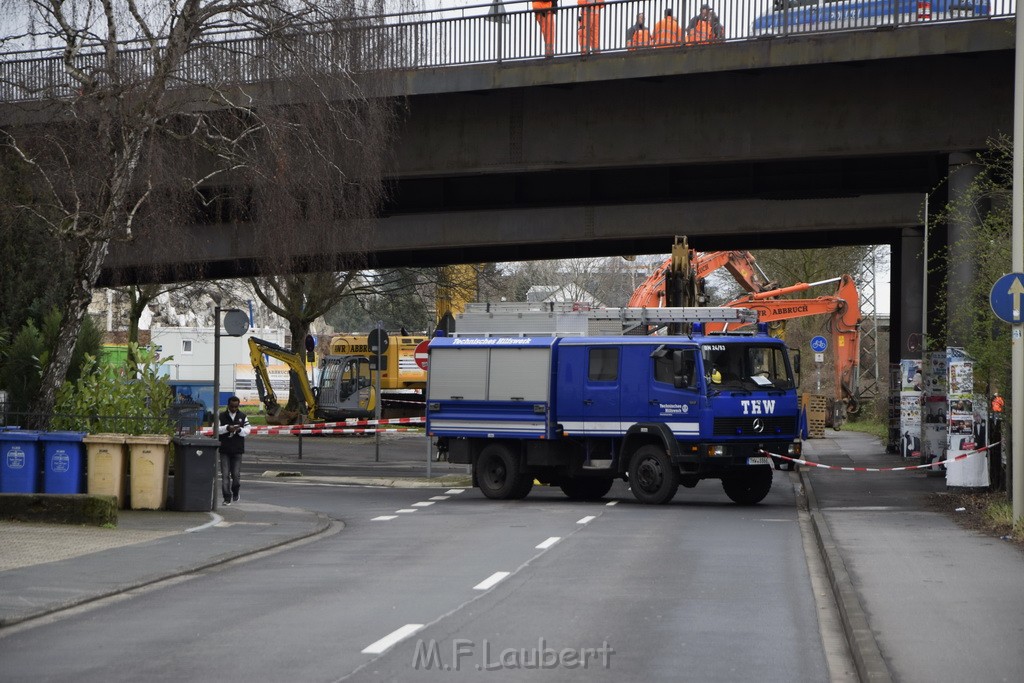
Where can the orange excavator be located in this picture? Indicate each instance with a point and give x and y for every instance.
(679, 281)
(843, 309)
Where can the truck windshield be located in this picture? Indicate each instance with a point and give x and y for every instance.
(746, 366)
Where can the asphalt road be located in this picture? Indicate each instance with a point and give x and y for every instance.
(432, 584)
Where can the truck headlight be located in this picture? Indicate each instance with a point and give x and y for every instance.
(794, 449)
(716, 451)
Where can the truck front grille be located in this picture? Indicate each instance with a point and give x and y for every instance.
(746, 426)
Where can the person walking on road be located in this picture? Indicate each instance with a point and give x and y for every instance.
(234, 427)
(544, 13)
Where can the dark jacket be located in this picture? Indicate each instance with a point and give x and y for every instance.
(233, 443)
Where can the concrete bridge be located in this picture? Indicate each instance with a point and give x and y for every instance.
(785, 141)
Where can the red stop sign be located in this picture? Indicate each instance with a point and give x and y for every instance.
(420, 354)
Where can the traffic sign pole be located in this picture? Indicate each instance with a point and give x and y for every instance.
(1017, 256)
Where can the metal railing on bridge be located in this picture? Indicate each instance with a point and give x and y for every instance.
(483, 33)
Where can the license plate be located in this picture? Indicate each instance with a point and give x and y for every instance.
(760, 460)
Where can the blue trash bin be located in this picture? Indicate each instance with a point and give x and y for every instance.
(19, 461)
(63, 462)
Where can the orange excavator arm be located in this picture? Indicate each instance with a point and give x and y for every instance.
(843, 309)
(741, 265)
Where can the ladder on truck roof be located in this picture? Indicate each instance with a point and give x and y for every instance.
(528, 319)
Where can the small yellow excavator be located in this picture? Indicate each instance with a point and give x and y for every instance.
(345, 389)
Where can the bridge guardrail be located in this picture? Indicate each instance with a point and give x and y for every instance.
(474, 34)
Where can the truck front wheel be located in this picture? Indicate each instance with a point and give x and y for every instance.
(500, 475)
(586, 488)
(748, 488)
(652, 476)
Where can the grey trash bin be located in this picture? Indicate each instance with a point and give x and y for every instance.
(195, 473)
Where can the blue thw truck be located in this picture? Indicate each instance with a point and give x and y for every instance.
(579, 412)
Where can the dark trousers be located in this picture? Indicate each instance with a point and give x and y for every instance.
(230, 474)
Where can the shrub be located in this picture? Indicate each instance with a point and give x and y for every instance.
(126, 399)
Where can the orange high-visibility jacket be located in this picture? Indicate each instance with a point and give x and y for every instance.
(640, 38)
(701, 33)
(667, 33)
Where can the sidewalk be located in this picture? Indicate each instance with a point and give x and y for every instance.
(921, 599)
(146, 547)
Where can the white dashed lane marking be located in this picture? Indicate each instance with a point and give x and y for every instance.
(586, 520)
(423, 504)
(614, 502)
(490, 581)
(383, 518)
(548, 543)
(452, 492)
(440, 497)
(391, 638)
(406, 510)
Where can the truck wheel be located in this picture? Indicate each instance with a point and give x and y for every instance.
(499, 475)
(652, 476)
(589, 488)
(748, 488)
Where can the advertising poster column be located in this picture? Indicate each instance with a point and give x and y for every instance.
(911, 383)
(935, 408)
(971, 472)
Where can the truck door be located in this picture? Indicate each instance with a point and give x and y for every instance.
(674, 390)
(601, 391)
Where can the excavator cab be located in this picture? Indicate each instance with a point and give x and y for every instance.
(346, 388)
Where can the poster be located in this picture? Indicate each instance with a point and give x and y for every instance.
(962, 437)
(911, 384)
(933, 431)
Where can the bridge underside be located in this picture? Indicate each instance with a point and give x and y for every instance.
(785, 143)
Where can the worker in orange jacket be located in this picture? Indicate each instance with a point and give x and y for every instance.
(590, 25)
(637, 35)
(667, 32)
(997, 406)
(544, 13)
(705, 28)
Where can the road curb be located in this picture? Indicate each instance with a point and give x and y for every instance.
(323, 525)
(867, 656)
(446, 481)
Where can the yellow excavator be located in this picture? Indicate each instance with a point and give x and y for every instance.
(345, 389)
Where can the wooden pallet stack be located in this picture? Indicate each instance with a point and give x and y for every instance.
(816, 406)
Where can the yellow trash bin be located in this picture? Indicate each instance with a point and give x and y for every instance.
(148, 471)
(105, 465)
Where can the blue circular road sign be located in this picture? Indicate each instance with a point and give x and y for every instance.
(1007, 298)
(819, 344)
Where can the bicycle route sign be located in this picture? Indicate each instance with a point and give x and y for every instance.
(819, 344)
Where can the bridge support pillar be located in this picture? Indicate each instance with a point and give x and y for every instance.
(963, 219)
(906, 284)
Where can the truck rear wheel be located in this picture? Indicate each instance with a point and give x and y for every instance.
(586, 488)
(748, 488)
(652, 476)
(500, 475)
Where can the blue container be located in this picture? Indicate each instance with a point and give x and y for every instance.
(19, 461)
(63, 462)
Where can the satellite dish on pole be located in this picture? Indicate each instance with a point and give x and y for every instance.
(497, 13)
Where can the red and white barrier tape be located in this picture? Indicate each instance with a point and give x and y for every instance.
(350, 426)
(297, 430)
(808, 463)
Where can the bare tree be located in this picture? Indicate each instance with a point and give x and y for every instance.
(144, 115)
